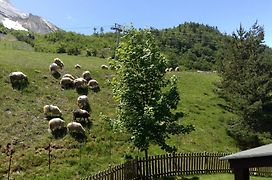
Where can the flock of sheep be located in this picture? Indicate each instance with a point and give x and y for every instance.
(67, 81)
(172, 69)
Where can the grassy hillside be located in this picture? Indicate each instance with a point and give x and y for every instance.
(22, 121)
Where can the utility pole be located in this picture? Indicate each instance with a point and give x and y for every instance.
(118, 30)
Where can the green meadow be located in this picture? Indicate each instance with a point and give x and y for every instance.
(23, 123)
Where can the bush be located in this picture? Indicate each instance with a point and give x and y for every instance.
(73, 50)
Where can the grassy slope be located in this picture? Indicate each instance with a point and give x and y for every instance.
(22, 120)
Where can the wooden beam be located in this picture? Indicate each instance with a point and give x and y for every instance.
(241, 174)
(251, 162)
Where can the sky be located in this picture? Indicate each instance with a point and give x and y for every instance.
(82, 16)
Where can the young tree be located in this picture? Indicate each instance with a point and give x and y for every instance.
(247, 79)
(146, 98)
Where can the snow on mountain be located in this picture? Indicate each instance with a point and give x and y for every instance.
(13, 24)
(13, 18)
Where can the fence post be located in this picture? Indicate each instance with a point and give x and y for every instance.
(206, 162)
(10, 151)
(49, 154)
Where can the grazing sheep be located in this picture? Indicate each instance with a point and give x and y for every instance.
(177, 69)
(51, 111)
(87, 75)
(55, 123)
(69, 76)
(170, 69)
(77, 66)
(93, 84)
(103, 66)
(167, 70)
(67, 83)
(59, 63)
(53, 67)
(75, 127)
(81, 114)
(83, 102)
(18, 79)
(80, 83)
(17, 76)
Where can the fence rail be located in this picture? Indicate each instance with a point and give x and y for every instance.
(171, 165)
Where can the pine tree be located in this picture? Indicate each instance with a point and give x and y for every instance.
(247, 79)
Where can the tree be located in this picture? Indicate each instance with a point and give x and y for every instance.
(146, 98)
(247, 80)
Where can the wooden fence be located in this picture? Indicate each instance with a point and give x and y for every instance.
(170, 165)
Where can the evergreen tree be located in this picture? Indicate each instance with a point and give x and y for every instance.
(247, 80)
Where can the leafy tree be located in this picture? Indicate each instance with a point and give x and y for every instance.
(146, 98)
(247, 81)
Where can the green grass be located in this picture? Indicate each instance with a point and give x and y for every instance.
(218, 177)
(22, 120)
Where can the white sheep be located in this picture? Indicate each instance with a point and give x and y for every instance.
(87, 75)
(83, 102)
(75, 127)
(18, 79)
(177, 69)
(66, 83)
(77, 66)
(103, 66)
(53, 67)
(69, 76)
(51, 111)
(93, 84)
(59, 63)
(80, 83)
(167, 70)
(55, 123)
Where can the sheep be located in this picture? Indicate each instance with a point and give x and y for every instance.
(80, 83)
(68, 76)
(53, 67)
(59, 63)
(81, 113)
(103, 66)
(87, 75)
(77, 66)
(82, 100)
(75, 127)
(66, 83)
(177, 69)
(55, 123)
(93, 84)
(170, 69)
(51, 111)
(18, 79)
(167, 70)
(83, 103)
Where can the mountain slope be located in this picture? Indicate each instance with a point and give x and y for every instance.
(13, 18)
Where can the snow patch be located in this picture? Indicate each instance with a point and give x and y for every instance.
(13, 25)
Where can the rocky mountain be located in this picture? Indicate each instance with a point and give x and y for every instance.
(13, 18)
